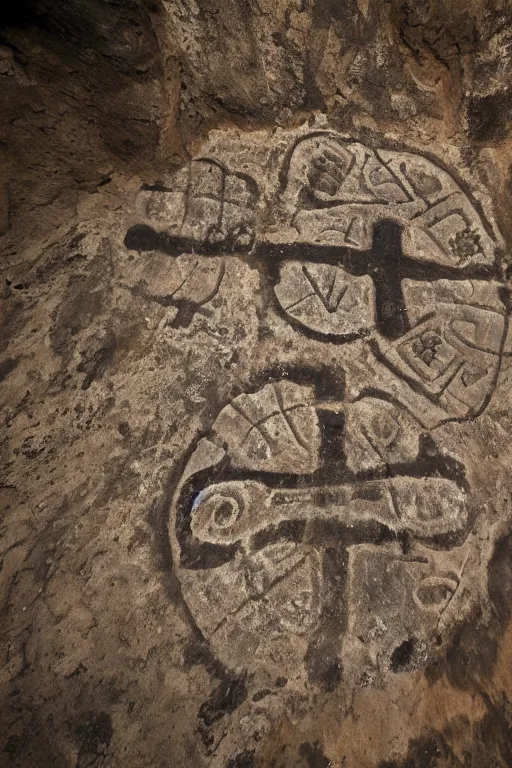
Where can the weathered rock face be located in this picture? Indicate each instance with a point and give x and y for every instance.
(256, 384)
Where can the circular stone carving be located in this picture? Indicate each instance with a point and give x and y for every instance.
(320, 527)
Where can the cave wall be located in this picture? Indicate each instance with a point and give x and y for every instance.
(107, 380)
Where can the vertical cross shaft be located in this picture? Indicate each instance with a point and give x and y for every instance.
(385, 268)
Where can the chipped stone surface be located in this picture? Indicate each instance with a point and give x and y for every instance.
(256, 386)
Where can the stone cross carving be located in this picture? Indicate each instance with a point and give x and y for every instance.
(320, 525)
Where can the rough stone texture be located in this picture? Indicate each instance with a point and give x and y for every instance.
(255, 383)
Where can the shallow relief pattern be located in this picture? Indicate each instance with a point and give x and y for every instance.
(320, 530)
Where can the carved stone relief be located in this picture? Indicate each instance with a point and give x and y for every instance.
(321, 520)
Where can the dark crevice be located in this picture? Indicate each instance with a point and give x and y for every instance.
(402, 656)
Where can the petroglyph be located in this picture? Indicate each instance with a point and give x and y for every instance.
(205, 204)
(403, 598)
(228, 512)
(320, 504)
(338, 190)
(274, 430)
(326, 299)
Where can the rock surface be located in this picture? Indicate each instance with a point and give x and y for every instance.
(256, 384)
